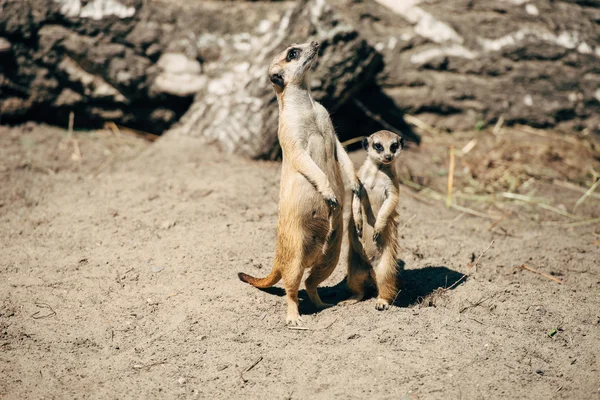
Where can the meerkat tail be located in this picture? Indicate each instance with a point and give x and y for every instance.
(261, 283)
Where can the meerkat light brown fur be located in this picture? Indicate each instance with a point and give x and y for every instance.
(309, 231)
(373, 226)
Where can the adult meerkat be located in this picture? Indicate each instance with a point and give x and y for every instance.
(309, 230)
(373, 226)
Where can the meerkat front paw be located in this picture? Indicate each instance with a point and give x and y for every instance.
(357, 188)
(330, 198)
(381, 304)
(376, 234)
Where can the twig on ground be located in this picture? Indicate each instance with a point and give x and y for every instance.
(144, 135)
(298, 328)
(406, 223)
(76, 155)
(50, 311)
(472, 305)
(530, 269)
(101, 167)
(450, 177)
(472, 268)
(330, 325)
(148, 366)
(586, 194)
(113, 128)
(254, 364)
(502, 218)
(71, 122)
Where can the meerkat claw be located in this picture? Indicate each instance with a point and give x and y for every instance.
(376, 235)
(332, 202)
(381, 305)
(293, 320)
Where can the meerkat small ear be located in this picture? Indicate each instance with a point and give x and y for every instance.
(277, 79)
(401, 142)
(365, 143)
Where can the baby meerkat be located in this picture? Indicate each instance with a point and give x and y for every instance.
(373, 226)
(310, 224)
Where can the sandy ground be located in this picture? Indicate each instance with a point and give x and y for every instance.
(119, 280)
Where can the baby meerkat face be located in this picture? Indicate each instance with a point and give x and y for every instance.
(289, 67)
(383, 146)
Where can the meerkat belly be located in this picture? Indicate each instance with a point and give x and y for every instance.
(372, 202)
(302, 206)
(323, 152)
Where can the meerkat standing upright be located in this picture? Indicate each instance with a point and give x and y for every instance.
(373, 226)
(309, 230)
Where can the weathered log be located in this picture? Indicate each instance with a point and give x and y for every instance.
(457, 63)
(237, 107)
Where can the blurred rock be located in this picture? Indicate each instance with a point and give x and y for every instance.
(455, 63)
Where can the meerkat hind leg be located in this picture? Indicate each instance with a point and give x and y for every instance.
(318, 274)
(385, 277)
(323, 270)
(358, 275)
(292, 277)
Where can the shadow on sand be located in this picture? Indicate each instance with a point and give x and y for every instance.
(414, 284)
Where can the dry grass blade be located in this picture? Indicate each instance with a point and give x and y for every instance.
(407, 222)
(40, 314)
(586, 194)
(569, 185)
(472, 269)
(530, 269)
(540, 202)
(502, 218)
(450, 178)
(498, 126)
(411, 119)
(352, 141)
(574, 224)
(557, 210)
(469, 146)
(472, 212)
(71, 123)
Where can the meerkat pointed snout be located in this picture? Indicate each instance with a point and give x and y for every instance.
(383, 146)
(310, 223)
(290, 66)
(373, 226)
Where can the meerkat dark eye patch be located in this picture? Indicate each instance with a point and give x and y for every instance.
(365, 143)
(292, 55)
(277, 79)
(378, 147)
(394, 147)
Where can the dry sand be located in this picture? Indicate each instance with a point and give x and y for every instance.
(118, 279)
